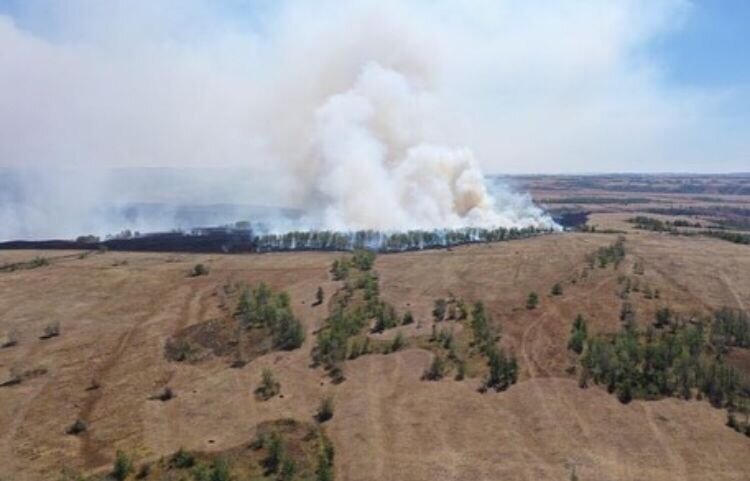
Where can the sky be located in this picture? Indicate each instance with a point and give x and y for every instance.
(549, 86)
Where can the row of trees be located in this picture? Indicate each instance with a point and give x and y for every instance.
(387, 241)
(263, 308)
(503, 369)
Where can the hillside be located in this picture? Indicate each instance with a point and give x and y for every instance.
(117, 312)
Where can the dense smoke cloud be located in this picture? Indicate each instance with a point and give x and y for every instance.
(359, 113)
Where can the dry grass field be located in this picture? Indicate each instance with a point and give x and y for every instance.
(117, 310)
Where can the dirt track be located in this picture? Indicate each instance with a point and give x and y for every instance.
(388, 424)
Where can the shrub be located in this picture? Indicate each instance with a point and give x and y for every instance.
(182, 459)
(51, 330)
(77, 428)
(503, 370)
(325, 410)
(578, 335)
(288, 470)
(363, 260)
(123, 466)
(557, 289)
(221, 470)
(199, 270)
(11, 339)
(408, 318)
(275, 456)
(436, 370)
(269, 387)
(438, 311)
(398, 342)
(319, 296)
(165, 395)
(532, 300)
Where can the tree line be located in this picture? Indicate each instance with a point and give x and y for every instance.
(387, 241)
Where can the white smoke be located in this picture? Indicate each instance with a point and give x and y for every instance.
(361, 113)
(377, 169)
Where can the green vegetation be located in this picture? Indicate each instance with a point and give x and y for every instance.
(503, 370)
(578, 335)
(269, 386)
(199, 270)
(182, 459)
(652, 224)
(439, 309)
(263, 308)
(78, 427)
(325, 410)
(355, 306)
(437, 369)
(123, 466)
(675, 360)
(319, 296)
(532, 301)
(557, 289)
(51, 330)
(387, 241)
(611, 254)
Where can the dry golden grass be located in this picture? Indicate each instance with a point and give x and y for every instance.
(115, 318)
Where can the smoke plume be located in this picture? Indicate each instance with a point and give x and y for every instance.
(377, 169)
(339, 115)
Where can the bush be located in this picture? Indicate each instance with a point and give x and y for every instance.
(77, 428)
(221, 470)
(51, 330)
(199, 270)
(275, 456)
(123, 466)
(532, 300)
(398, 342)
(408, 318)
(269, 387)
(438, 311)
(503, 370)
(557, 289)
(319, 296)
(325, 410)
(182, 459)
(578, 335)
(165, 395)
(436, 370)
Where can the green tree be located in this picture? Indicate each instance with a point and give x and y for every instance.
(269, 386)
(123, 466)
(325, 410)
(436, 370)
(398, 342)
(439, 309)
(199, 270)
(578, 335)
(532, 301)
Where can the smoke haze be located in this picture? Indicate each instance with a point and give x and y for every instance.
(359, 114)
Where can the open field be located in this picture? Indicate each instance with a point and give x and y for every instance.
(117, 310)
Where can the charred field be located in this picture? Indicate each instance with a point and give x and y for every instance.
(86, 336)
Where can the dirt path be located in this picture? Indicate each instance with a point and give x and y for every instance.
(678, 464)
(730, 286)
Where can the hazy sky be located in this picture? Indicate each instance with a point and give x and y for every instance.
(529, 86)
